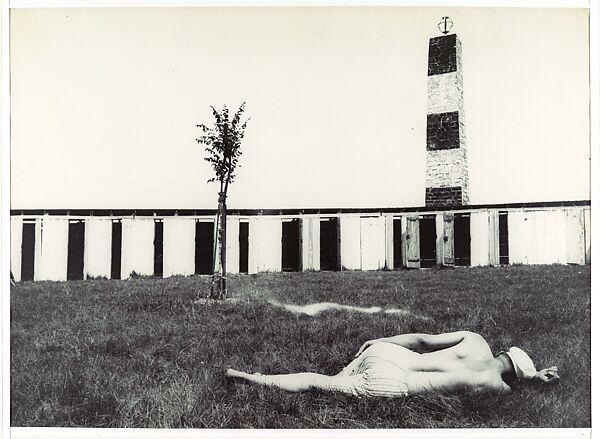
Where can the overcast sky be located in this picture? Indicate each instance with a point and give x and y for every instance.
(105, 102)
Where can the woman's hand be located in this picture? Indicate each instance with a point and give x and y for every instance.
(366, 344)
(548, 375)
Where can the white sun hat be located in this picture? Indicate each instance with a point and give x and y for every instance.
(522, 363)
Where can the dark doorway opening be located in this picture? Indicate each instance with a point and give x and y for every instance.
(462, 239)
(503, 237)
(427, 237)
(205, 240)
(397, 236)
(158, 248)
(244, 228)
(115, 249)
(290, 245)
(75, 250)
(28, 251)
(329, 244)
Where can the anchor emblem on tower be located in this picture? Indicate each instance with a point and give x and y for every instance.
(445, 25)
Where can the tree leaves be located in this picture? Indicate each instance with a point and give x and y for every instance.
(223, 143)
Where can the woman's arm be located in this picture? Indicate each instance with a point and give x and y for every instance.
(422, 342)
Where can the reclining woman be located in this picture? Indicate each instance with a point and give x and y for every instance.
(409, 364)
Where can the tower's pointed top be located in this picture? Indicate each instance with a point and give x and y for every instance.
(445, 24)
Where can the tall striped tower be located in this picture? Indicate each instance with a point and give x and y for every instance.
(447, 180)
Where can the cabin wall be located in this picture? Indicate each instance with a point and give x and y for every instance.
(558, 235)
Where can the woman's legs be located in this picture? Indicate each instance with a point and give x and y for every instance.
(294, 382)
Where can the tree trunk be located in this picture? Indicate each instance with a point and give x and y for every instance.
(218, 288)
(223, 281)
(214, 278)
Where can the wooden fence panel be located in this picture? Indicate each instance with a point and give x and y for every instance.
(179, 246)
(588, 234)
(542, 238)
(560, 235)
(16, 241)
(97, 247)
(369, 248)
(576, 245)
(232, 242)
(53, 264)
(350, 242)
(413, 253)
(480, 239)
(37, 263)
(389, 242)
(439, 242)
(380, 226)
(448, 239)
(403, 240)
(138, 247)
(494, 237)
(268, 247)
(311, 241)
(516, 236)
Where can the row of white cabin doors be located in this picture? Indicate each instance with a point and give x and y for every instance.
(418, 240)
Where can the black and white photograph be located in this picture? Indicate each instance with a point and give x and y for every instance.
(283, 217)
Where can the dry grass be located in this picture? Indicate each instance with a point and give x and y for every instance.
(140, 353)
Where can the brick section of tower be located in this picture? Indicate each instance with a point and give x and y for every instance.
(442, 55)
(443, 196)
(447, 178)
(443, 131)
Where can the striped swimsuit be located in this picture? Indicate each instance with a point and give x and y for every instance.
(380, 370)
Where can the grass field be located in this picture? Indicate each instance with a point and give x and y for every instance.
(140, 353)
